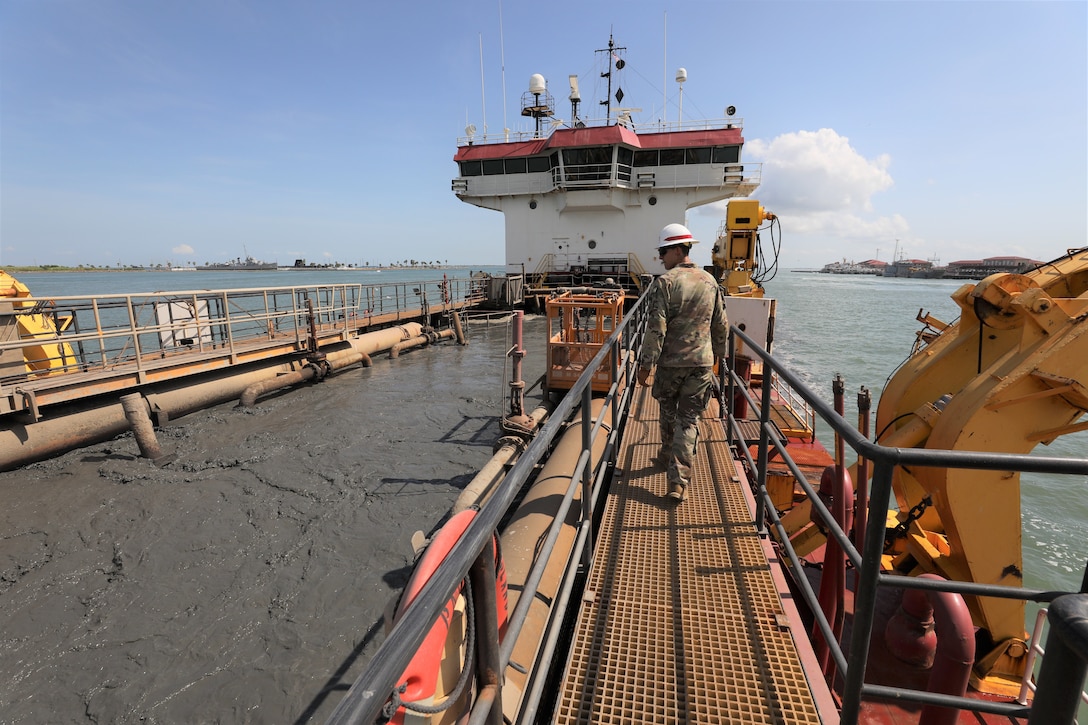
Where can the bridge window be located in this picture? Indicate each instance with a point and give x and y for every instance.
(515, 166)
(471, 168)
(539, 163)
(726, 154)
(697, 155)
(646, 158)
(493, 167)
(671, 157)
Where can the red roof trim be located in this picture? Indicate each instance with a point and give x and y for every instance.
(601, 136)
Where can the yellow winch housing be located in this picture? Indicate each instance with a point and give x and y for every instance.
(24, 318)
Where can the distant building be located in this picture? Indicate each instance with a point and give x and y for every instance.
(981, 268)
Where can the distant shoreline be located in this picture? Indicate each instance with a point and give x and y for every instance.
(58, 268)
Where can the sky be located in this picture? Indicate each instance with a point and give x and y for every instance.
(136, 132)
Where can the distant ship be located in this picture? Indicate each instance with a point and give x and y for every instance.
(249, 264)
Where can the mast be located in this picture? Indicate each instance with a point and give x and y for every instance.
(607, 102)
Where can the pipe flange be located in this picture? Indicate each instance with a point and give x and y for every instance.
(516, 441)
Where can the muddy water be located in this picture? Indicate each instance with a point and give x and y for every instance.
(244, 582)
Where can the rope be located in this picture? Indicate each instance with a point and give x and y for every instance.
(395, 702)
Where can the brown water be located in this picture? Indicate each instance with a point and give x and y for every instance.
(244, 582)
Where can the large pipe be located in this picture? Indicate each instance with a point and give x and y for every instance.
(138, 414)
(427, 337)
(527, 529)
(23, 443)
(459, 330)
(955, 649)
(334, 361)
(483, 484)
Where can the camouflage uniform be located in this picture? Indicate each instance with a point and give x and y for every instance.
(686, 330)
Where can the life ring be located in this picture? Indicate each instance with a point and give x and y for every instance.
(419, 683)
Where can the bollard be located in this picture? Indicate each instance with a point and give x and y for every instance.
(1065, 664)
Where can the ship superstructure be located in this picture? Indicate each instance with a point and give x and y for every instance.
(584, 199)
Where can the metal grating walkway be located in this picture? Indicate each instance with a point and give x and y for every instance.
(681, 620)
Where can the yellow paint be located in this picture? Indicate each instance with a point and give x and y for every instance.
(1013, 371)
(34, 320)
(734, 252)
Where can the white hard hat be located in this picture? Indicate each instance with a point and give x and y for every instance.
(674, 234)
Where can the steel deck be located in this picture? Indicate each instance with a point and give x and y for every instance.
(682, 618)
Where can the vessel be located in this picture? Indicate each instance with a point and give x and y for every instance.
(794, 585)
(583, 198)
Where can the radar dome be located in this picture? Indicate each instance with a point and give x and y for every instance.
(681, 75)
(536, 83)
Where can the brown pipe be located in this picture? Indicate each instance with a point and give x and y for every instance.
(482, 485)
(249, 395)
(509, 449)
(529, 527)
(137, 412)
(418, 341)
(459, 330)
(334, 361)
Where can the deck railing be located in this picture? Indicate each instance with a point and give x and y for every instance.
(866, 563)
(469, 558)
(100, 335)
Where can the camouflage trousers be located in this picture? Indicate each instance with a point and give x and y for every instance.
(682, 394)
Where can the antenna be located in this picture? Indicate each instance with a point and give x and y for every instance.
(681, 76)
(665, 68)
(607, 102)
(483, 101)
(502, 65)
(575, 98)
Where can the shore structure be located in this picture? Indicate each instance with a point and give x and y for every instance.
(249, 264)
(982, 268)
(869, 266)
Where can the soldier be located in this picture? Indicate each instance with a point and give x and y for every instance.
(685, 332)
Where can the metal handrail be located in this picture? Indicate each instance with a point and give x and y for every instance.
(365, 698)
(113, 329)
(508, 136)
(867, 563)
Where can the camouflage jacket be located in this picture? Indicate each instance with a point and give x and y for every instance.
(687, 326)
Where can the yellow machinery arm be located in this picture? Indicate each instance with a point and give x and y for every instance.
(1010, 374)
(734, 253)
(34, 321)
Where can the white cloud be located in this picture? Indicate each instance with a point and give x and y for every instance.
(820, 181)
(182, 249)
(822, 189)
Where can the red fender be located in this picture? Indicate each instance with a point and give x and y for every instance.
(421, 675)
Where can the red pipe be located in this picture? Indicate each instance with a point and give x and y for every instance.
(955, 649)
(862, 508)
(836, 487)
